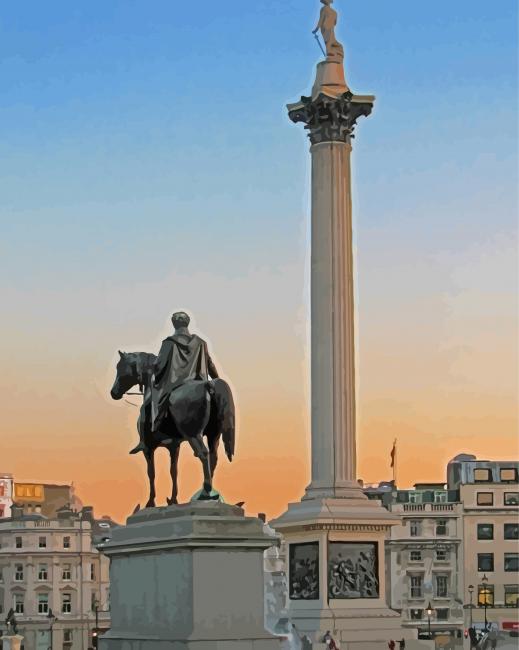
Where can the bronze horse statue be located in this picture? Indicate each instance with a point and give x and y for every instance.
(195, 409)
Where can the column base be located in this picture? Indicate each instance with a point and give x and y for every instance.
(342, 490)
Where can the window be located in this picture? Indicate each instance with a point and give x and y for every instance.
(416, 586)
(508, 475)
(415, 527)
(67, 572)
(43, 603)
(415, 497)
(482, 475)
(440, 497)
(66, 603)
(18, 542)
(2, 510)
(511, 499)
(485, 531)
(18, 573)
(485, 498)
(485, 562)
(42, 542)
(2, 489)
(67, 636)
(511, 531)
(93, 601)
(486, 595)
(511, 595)
(441, 555)
(442, 586)
(92, 571)
(18, 601)
(511, 561)
(66, 542)
(43, 573)
(415, 556)
(416, 614)
(442, 614)
(441, 527)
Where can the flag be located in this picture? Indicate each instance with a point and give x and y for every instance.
(393, 454)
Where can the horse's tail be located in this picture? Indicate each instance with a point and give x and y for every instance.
(225, 415)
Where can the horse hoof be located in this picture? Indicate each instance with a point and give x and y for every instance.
(172, 502)
(150, 504)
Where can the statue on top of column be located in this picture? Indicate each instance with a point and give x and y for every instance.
(327, 23)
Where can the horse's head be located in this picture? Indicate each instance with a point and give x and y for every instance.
(126, 375)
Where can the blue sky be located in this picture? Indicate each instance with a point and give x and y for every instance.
(147, 163)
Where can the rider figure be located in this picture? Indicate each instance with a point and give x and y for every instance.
(182, 357)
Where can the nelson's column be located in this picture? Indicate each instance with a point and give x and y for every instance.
(335, 534)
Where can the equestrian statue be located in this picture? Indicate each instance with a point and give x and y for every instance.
(184, 399)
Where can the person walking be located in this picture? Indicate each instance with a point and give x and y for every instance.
(391, 645)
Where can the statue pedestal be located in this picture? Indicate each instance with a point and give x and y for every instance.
(11, 641)
(329, 79)
(188, 577)
(336, 572)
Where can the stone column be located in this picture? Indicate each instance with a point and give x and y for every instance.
(330, 115)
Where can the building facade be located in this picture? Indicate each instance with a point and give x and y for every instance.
(44, 498)
(6, 494)
(489, 494)
(424, 561)
(54, 578)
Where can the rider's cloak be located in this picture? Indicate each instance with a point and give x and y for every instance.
(182, 357)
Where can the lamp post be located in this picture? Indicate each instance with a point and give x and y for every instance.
(471, 593)
(485, 593)
(52, 620)
(429, 611)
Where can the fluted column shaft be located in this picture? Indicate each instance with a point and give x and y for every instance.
(332, 321)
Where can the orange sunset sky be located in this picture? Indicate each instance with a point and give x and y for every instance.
(139, 177)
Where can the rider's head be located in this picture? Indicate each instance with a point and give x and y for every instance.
(180, 319)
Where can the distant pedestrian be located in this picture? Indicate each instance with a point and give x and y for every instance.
(330, 642)
(401, 644)
(391, 645)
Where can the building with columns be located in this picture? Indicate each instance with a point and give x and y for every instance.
(51, 567)
(456, 549)
(425, 560)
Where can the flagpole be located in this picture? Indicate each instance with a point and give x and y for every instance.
(394, 465)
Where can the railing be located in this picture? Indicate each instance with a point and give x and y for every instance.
(426, 507)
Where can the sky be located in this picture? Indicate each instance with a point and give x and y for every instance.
(148, 165)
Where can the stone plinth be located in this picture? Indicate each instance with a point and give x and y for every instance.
(11, 641)
(188, 577)
(325, 595)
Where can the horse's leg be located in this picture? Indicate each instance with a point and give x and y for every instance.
(213, 441)
(150, 459)
(173, 452)
(201, 451)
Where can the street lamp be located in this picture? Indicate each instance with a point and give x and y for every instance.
(429, 611)
(485, 592)
(52, 620)
(471, 593)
